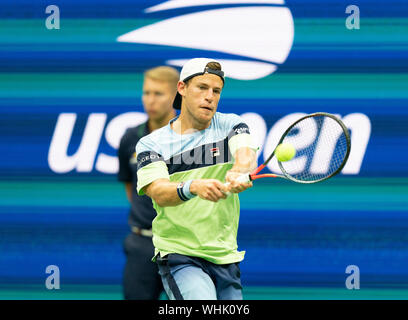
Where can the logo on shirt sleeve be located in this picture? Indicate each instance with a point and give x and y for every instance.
(147, 157)
(240, 129)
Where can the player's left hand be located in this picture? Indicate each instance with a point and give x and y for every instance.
(235, 186)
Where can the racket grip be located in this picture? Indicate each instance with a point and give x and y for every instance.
(242, 178)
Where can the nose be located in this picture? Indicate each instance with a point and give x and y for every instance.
(149, 99)
(209, 95)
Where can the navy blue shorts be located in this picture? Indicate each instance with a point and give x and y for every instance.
(193, 278)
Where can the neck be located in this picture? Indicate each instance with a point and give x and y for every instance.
(187, 124)
(157, 124)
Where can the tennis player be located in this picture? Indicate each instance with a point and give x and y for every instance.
(141, 280)
(183, 167)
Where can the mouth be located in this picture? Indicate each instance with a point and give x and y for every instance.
(207, 108)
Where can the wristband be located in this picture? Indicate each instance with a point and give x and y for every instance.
(180, 191)
(186, 190)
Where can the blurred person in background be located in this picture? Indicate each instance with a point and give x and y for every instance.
(141, 280)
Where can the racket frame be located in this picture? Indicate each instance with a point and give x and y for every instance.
(254, 175)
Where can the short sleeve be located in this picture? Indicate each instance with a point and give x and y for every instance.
(150, 166)
(239, 135)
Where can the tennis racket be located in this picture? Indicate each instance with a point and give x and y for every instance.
(322, 144)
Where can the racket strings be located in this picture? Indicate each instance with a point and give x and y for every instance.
(322, 147)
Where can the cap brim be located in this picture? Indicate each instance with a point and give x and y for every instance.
(177, 101)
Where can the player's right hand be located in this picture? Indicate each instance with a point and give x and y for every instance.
(209, 189)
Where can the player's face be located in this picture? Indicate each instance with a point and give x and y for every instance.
(157, 99)
(201, 96)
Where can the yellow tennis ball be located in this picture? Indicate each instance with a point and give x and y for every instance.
(285, 152)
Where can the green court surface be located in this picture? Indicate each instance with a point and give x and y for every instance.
(354, 193)
(113, 292)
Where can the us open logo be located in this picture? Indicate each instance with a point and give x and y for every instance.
(262, 35)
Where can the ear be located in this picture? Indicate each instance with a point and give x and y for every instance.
(181, 88)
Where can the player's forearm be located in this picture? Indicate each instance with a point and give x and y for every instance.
(164, 193)
(245, 160)
(168, 194)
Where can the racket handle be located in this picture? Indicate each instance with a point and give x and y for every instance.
(242, 178)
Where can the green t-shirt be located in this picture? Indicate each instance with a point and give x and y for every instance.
(197, 227)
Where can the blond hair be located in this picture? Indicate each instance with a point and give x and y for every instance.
(164, 73)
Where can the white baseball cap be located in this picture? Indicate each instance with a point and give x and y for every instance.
(192, 68)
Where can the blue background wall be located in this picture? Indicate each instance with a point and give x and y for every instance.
(299, 239)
